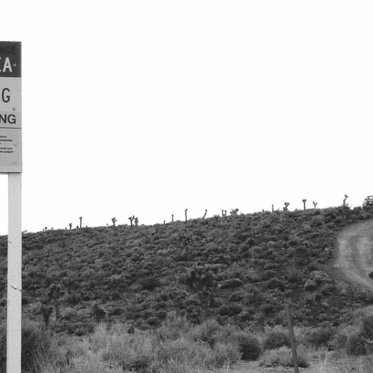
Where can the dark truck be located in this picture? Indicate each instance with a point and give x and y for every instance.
(368, 202)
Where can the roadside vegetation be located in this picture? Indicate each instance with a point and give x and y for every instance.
(178, 346)
(212, 291)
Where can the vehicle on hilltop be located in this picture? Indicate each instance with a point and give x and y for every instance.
(368, 202)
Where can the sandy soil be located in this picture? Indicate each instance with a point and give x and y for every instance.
(355, 256)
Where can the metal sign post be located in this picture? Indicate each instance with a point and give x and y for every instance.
(14, 306)
(11, 164)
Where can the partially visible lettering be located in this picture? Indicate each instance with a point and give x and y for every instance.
(5, 66)
(8, 118)
(5, 95)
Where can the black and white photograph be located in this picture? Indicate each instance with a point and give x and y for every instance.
(186, 186)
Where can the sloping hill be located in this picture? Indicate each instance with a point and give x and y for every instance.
(240, 268)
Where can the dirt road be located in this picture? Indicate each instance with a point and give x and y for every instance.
(355, 256)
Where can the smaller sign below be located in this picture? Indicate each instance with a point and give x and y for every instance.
(11, 150)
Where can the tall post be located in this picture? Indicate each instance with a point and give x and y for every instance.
(14, 287)
(292, 339)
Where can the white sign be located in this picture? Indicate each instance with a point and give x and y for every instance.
(11, 164)
(10, 108)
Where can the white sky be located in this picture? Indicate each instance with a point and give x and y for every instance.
(151, 107)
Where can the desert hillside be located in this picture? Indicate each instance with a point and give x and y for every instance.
(238, 268)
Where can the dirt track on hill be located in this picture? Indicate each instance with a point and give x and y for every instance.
(355, 254)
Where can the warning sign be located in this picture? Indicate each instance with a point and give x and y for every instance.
(10, 107)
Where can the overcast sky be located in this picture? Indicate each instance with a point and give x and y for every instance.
(146, 108)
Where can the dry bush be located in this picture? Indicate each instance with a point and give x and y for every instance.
(276, 337)
(283, 357)
(320, 336)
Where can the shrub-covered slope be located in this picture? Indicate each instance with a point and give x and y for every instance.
(241, 268)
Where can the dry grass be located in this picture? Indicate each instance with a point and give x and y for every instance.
(114, 350)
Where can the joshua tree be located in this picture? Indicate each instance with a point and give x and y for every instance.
(80, 220)
(345, 199)
(202, 281)
(186, 214)
(204, 214)
(46, 312)
(114, 220)
(304, 203)
(286, 206)
(136, 221)
(55, 292)
(314, 204)
(98, 312)
(172, 217)
(70, 225)
(131, 218)
(273, 208)
(223, 213)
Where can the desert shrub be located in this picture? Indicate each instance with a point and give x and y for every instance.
(227, 333)
(267, 308)
(366, 327)
(237, 296)
(200, 278)
(182, 350)
(73, 299)
(339, 341)
(249, 346)
(161, 314)
(231, 283)
(294, 274)
(3, 346)
(206, 332)
(98, 312)
(116, 311)
(154, 321)
(310, 285)
(356, 338)
(283, 357)
(230, 309)
(320, 336)
(275, 338)
(224, 354)
(268, 274)
(173, 327)
(245, 316)
(355, 344)
(35, 341)
(274, 283)
(130, 351)
(149, 283)
(316, 221)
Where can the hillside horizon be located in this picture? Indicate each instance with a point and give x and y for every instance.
(238, 268)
